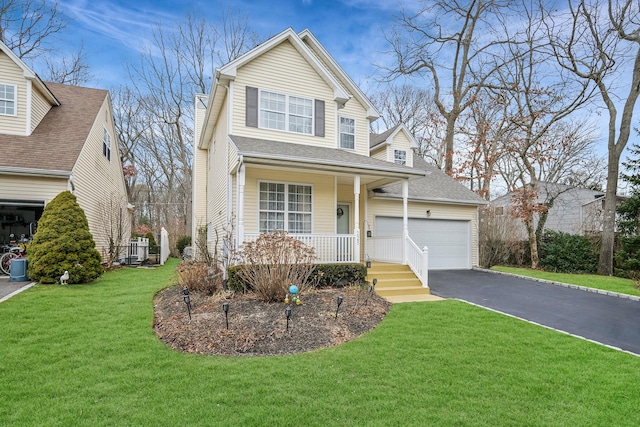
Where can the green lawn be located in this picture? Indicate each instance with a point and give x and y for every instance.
(86, 355)
(609, 283)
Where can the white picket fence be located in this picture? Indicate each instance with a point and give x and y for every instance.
(164, 246)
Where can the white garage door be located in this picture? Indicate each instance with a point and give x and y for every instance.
(449, 241)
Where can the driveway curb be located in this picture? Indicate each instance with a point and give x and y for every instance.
(564, 285)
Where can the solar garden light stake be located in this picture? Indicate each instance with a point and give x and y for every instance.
(287, 312)
(225, 307)
(187, 300)
(340, 298)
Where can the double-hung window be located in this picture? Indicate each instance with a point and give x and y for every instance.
(400, 157)
(347, 132)
(286, 112)
(106, 144)
(285, 207)
(7, 99)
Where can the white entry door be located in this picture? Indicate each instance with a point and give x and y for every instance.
(343, 212)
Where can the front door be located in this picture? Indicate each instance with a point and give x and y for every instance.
(343, 246)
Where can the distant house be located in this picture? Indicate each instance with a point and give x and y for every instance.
(53, 138)
(283, 143)
(575, 210)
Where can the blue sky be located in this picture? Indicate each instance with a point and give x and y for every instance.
(113, 31)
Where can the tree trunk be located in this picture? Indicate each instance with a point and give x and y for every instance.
(605, 263)
(448, 155)
(533, 243)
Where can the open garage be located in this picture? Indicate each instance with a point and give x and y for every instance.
(18, 219)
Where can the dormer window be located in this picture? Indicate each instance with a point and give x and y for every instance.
(7, 99)
(400, 157)
(347, 132)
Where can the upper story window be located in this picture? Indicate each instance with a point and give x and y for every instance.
(288, 113)
(400, 157)
(7, 99)
(285, 112)
(106, 144)
(347, 132)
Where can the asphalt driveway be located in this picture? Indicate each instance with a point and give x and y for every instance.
(606, 319)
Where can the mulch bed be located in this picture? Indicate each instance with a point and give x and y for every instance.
(257, 328)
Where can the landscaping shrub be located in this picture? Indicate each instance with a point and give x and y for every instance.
(567, 253)
(182, 243)
(272, 263)
(198, 276)
(63, 243)
(322, 275)
(627, 258)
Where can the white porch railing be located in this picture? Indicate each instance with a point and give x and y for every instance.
(393, 249)
(330, 248)
(418, 260)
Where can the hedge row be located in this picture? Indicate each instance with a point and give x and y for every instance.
(324, 274)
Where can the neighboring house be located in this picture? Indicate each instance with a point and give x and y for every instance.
(575, 210)
(283, 143)
(53, 138)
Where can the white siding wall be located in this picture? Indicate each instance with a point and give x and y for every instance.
(31, 188)
(218, 175)
(97, 180)
(39, 108)
(10, 73)
(199, 175)
(418, 210)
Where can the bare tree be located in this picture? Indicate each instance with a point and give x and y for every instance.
(27, 26)
(70, 69)
(116, 223)
(414, 107)
(454, 45)
(594, 43)
(156, 114)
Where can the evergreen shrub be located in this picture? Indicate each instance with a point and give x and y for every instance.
(63, 243)
(568, 253)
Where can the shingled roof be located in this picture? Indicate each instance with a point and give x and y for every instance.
(436, 186)
(55, 144)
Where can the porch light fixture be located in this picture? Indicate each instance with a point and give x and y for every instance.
(375, 282)
(187, 300)
(368, 264)
(340, 299)
(225, 307)
(287, 312)
(428, 212)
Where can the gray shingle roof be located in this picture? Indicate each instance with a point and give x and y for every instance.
(277, 150)
(55, 143)
(378, 138)
(435, 187)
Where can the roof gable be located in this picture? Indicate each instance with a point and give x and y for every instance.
(378, 140)
(29, 74)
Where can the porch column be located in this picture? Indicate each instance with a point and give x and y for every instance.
(356, 216)
(240, 207)
(405, 219)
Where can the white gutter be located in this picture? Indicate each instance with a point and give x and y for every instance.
(10, 170)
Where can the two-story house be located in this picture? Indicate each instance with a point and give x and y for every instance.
(283, 143)
(56, 137)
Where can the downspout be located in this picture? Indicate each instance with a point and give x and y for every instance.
(70, 186)
(240, 201)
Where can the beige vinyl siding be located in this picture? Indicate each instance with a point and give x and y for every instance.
(354, 110)
(381, 153)
(21, 187)
(322, 196)
(379, 207)
(282, 69)
(39, 108)
(401, 142)
(199, 174)
(98, 181)
(10, 73)
(218, 174)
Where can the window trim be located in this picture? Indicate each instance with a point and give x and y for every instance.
(14, 100)
(286, 204)
(340, 133)
(287, 112)
(395, 158)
